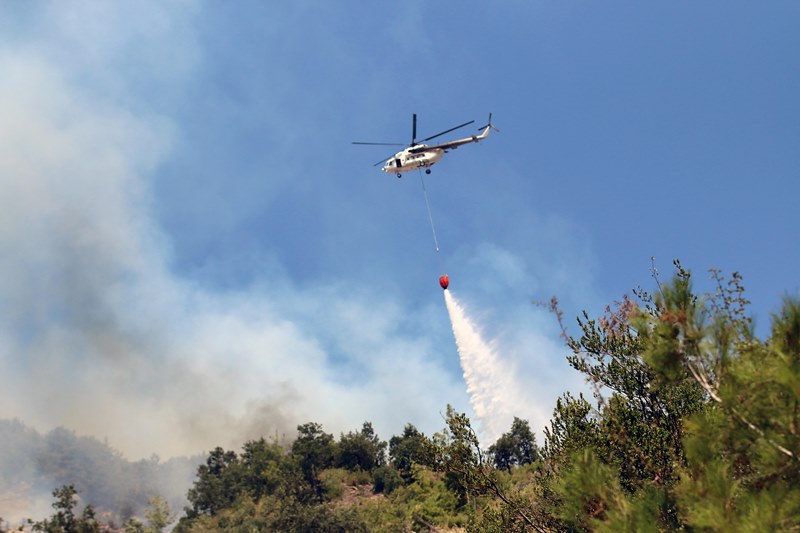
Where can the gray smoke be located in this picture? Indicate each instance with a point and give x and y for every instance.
(98, 334)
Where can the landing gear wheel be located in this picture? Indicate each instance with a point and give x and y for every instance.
(399, 175)
(427, 171)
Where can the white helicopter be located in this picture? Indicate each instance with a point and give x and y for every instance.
(417, 155)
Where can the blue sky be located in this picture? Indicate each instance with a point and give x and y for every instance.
(195, 254)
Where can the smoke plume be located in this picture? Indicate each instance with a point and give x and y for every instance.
(99, 334)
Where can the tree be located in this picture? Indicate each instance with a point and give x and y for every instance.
(407, 449)
(362, 450)
(572, 427)
(640, 424)
(315, 451)
(158, 516)
(64, 520)
(457, 453)
(637, 431)
(265, 466)
(515, 448)
(701, 430)
(218, 483)
(743, 450)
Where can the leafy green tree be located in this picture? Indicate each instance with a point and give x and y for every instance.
(407, 449)
(640, 424)
(592, 499)
(218, 483)
(65, 520)
(515, 448)
(231, 490)
(265, 466)
(573, 427)
(158, 516)
(711, 441)
(457, 453)
(743, 450)
(315, 450)
(637, 431)
(362, 450)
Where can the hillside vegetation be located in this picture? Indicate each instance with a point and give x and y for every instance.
(31, 464)
(693, 425)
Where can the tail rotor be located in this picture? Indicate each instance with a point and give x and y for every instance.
(489, 125)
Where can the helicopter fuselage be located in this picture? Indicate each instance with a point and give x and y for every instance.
(409, 160)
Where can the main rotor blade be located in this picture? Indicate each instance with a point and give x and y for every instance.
(382, 161)
(448, 131)
(414, 131)
(381, 144)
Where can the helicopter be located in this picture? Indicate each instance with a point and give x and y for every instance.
(417, 155)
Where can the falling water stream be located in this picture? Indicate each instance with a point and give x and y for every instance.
(490, 383)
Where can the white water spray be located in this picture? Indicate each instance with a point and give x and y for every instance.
(493, 392)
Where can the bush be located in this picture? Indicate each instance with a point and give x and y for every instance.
(386, 479)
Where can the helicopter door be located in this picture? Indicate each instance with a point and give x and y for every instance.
(397, 163)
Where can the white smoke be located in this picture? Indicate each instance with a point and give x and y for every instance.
(98, 334)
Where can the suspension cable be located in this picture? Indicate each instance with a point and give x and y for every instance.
(428, 206)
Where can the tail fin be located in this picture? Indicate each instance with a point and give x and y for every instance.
(489, 125)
